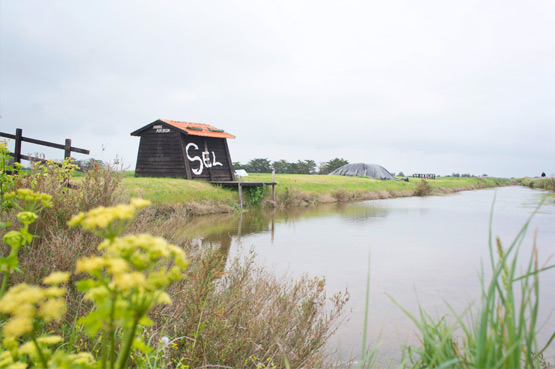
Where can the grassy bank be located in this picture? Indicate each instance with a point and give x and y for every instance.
(545, 183)
(293, 190)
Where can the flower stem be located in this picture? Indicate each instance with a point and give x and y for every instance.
(41, 355)
(4, 282)
(124, 354)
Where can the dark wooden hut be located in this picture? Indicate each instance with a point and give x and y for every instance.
(170, 148)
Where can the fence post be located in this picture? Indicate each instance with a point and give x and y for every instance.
(67, 150)
(273, 185)
(17, 148)
(239, 187)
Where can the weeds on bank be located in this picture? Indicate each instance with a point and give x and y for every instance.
(124, 282)
(241, 316)
(55, 246)
(97, 188)
(423, 188)
(547, 183)
(7, 180)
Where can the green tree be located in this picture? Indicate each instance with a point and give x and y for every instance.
(332, 165)
(259, 165)
(281, 166)
(238, 165)
(306, 167)
(88, 164)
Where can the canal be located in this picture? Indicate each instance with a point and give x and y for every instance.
(421, 251)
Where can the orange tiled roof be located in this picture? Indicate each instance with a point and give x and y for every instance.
(198, 129)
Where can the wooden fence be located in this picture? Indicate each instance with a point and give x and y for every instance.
(424, 175)
(18, 137)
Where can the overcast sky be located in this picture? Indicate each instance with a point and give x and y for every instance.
(431, 86)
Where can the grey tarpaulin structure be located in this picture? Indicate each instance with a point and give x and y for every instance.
(363, 170)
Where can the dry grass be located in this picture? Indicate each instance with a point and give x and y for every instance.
(423, 189)
(230, 315)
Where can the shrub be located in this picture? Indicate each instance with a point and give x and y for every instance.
(423, 188)
(240, 316)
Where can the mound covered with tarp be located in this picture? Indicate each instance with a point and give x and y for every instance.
(363, 170)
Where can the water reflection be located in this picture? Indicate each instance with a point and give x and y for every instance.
(423, 250)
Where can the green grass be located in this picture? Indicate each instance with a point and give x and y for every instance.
(322, 184)
(545, 183)
(176, 191)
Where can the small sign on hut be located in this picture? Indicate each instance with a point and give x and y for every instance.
(170, 148)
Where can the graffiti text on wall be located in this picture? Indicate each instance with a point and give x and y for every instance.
(204, 162)
(160, 129)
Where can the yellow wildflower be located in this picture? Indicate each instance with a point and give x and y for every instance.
(164, 298)
(76, 219)
(52, 309)
(54, 292)
(85, 358)
(116, 265)
(19, 297)
(17, 366)
(101, 217)
(49, 340)
(30, 196)
(11, 344)
(5, 359)
(56, 278)
(28, 348)
(27, 217)
(89, 265)
(14, 239)
(97, 294)
(140, 203)
(126, 281)
(18, 326)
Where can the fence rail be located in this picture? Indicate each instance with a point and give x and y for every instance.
(424, 175)
(18, 137)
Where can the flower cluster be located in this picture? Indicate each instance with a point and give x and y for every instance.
(128, 278)
(125, 281)
(109, 222)
(26, 303)
(29, 202)
(32, 201)
(140, 264)
(28, 307)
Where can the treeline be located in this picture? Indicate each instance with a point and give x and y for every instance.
(263, 165)
(465, 175)
(88, 164)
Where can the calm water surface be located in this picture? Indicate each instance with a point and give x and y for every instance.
(422, 250)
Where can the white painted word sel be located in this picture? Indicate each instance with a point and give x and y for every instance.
(204, 162)
(160, 129)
